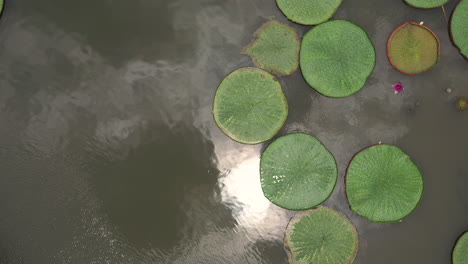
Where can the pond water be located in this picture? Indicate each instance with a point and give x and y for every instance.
(109, 154)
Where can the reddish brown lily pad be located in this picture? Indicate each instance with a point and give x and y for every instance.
(413, 48)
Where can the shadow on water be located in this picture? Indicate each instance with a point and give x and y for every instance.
(145, 192)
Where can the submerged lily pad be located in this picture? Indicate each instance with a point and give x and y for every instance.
(462, 103)
(383, 184)
(275, 48)
(297, 172)
(250, 106)
(308, 12)
(413, 48)
(336, 58)
(460, 251)
(459, 28)
(321, 236)
(426, 3)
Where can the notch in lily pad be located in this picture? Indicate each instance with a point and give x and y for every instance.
(413, 48)
(383, 184)
(425, 4)
(275, 48)
(459, 28)
(297, 172)
(308, 12)
(460, 251)
(250, 106)
(336, 58)
(321, 236)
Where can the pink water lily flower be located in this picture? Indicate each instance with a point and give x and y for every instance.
(398, 87)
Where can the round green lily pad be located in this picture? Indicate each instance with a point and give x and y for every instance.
(250, 106)
(413, 48)
(308, 12)
(297, 172)
(336, 58)
(383, 184)
(426, 3)
(459, 28)
(460, 251)
(321, 236)
(275, 48)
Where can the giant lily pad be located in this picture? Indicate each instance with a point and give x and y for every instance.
(336, 58)
(321, 236)
(426, 3)
(250, 106)
(460, 252)
(275, 49)
(308, 12)
(413, 48)
(297, 172)
(383, 184)
(459, 28)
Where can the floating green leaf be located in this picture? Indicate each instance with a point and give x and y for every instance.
(459, 27)
(413, 48)
(250, 106)
(321, 236)
(336, 58)
(383, 184)
(308, 12)
(462, 103)
(297, 172)
(275, 48)
(426, 3)
(460, 252)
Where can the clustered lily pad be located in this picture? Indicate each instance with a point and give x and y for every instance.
(383, 184)
(275, 49)
(413, 48)
(321, 236)
(460, 251)
(250, 106)
(308, 12)
(459, 28)
(297, 172)
(336, 58)
(426, 3)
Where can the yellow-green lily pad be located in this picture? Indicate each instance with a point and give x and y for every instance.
(413, 48)
(426, 3)
(275, 48)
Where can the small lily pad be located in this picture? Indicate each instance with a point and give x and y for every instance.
(383, 184)
(462, 103)
(250, 106)
(413, 48)
(275, 48)
(460, 251)
(308, 12)
(321, 236)
(459, 28)
(426, 3)
(297, 172)
(336, 58)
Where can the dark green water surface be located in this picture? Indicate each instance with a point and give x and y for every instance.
(109, 153)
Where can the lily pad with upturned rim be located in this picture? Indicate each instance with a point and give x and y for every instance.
(275, 48)
(297, 172)
(308, 12)
(426, 3)
(250, 106)
(460, 251)
(459, 28)
(413, 48)
(321, 236)
(383, 184)
(336, 58)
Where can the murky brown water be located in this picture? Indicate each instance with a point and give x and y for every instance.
(109, 154)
